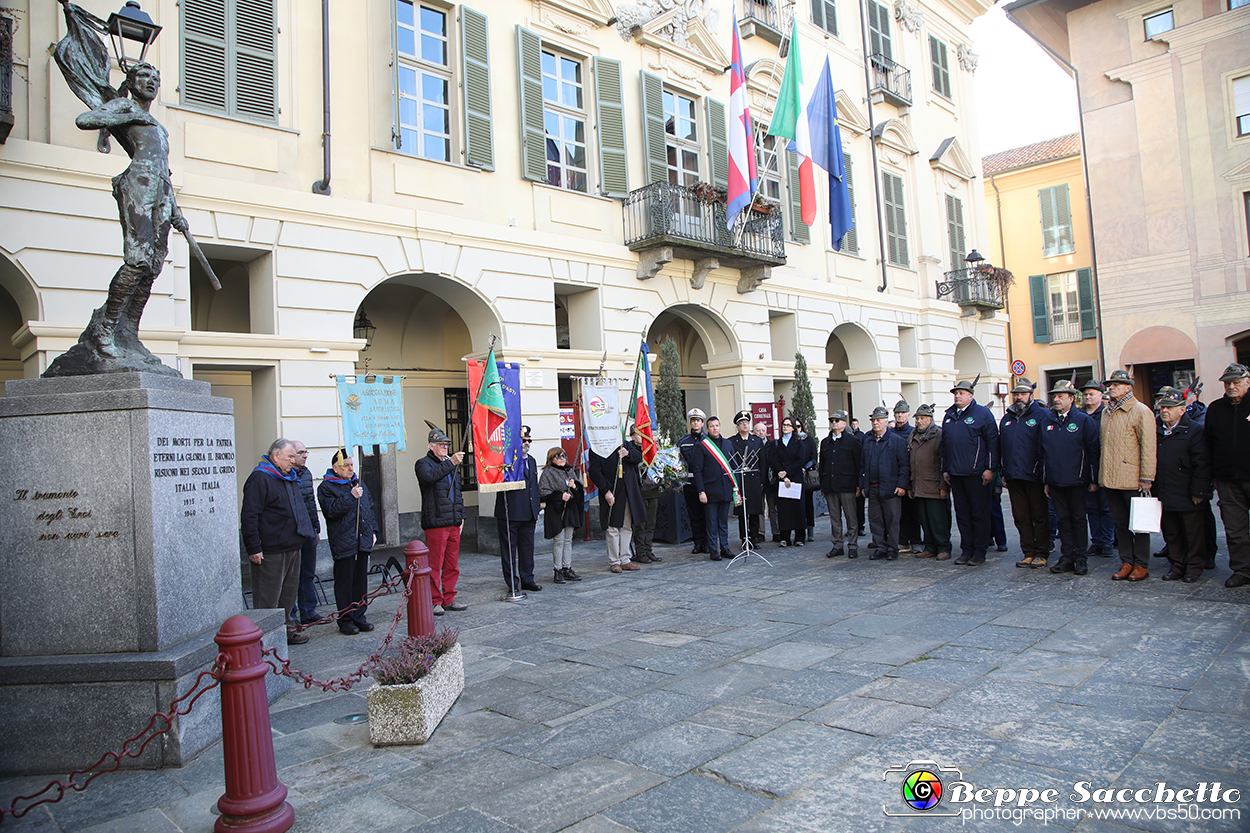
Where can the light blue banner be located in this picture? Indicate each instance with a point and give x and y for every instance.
(373, 412)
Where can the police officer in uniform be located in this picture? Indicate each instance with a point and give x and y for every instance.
(694, 509)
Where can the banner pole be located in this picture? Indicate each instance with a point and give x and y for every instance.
(468, 434)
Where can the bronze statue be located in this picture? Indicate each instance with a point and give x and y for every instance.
(144, 194)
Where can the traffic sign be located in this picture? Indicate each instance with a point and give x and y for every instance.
(1018, 368)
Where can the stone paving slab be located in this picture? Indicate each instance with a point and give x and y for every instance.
(688, 805)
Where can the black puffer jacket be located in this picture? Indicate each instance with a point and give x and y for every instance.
(310, 498)
(1182, 467)
(441, 501)
(350, 525)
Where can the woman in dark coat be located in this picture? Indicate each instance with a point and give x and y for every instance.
(1182, 478)
(351, 532)
(561, 494)
(786, 461)
(811, 453)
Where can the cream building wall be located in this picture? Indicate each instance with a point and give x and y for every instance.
(1168, 174)
(443, 255)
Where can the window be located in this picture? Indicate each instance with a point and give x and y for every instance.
(456, 409)
(1237, 4)
(228, 60)
(424, 74)
(825, 15)
(1056, 221)
(768, 165)
(564, 119)
(1245, 199)
(1241, 104)
(1062, 306)
(895, 219)
(850, 242)
(879, 30)
(955, 231)
(941, 69)
(1157, 24)
(681, 139)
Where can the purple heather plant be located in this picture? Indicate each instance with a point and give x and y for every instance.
(414, 657)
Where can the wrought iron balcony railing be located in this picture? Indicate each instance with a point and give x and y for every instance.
(890, 79)
(763, 18)
(6, 77)
(976, 288)
(661, 214)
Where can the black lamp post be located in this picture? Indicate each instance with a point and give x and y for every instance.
(363, 328)
(133, 24)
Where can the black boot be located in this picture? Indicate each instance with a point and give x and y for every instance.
(569, 575)
(559, 577)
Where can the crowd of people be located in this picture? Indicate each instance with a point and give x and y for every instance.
(1071, 472)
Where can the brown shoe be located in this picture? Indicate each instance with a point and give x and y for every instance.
(1027, 561)
(924, 555)
(1123, 572)
(615, 568)
(1138, 574)
(629, 565)
(943, 556)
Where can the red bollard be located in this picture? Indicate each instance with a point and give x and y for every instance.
(421, 601)
(254, 801)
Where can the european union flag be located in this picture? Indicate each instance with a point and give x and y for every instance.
(827, 153)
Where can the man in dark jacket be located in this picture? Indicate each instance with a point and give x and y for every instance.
(275, 526)
(1228, 436)
(516, 516)
(811, 453)
(1182, 481)
(694, 509)
(747, 457)
(1068, 451)
(1018, 434)
(840, 466)
(928, 489)
(969, 457)
(442, 518)
(1097, 510)
(885, 474)
(910, 536)
(714, 482)
(620, 501)
(860, 512)
(351, 532)
(306, 598)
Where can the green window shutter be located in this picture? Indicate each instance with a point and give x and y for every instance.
(941, 67)
(955, 229)
(850, 243)
(204, 53)
(1085, 297)
(475, 57)
(610, 119)
(799, 231)
(718, 143)
(895, 219)
(530, 78)
(255, 70)
(879, 29)
(1063, 221)
(1037, 298)
(818, 13)
(1050, 236)
(653, 128)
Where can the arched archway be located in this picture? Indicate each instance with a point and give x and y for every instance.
(703, 338)
(970, 359)
(854, 384)
(1159, 356)
(19, 303)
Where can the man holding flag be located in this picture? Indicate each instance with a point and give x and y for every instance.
(743, 182)
(642, 435)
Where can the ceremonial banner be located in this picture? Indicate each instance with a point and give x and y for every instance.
(373, 412)
(642, 406)
(497, 452)
(601, 416)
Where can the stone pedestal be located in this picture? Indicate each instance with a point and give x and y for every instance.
(121, 561)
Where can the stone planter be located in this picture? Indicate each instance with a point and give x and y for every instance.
(410, 713)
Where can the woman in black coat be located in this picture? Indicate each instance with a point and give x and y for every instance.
(789, 453)
(351, 531)
(1182, 478)
(561, 493)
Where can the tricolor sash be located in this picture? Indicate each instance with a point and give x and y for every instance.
(719, 456)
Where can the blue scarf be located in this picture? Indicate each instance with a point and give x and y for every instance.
(273, 471)
(331, 477)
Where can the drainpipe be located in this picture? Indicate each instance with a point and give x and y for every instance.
(322, 186)
(1089, 206)
(872, 137)
(1002, 250)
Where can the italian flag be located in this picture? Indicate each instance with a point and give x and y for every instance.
(790, 122)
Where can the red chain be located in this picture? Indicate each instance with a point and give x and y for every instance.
(176, 709)
(283, 666)
(383, 589)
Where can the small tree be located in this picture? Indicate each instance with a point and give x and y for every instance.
(801, 405)
(669, 416)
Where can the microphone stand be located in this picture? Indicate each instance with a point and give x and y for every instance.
(747, 464)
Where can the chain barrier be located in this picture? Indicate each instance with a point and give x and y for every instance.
(176, 709)
(283, 666)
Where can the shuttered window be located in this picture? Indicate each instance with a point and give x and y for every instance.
(228, 57)
(1241, 105)
(653, 133)
(955, 230)
(718, 143)
(895, 219)
(610, 121)
(423, 89)
(564, 120)
(825, 15)
(1062, 306)
(941, 68)
(681, 144)
(475, 45)
(879, 30)
(850, 242)
(1056, 221)
(800, 231)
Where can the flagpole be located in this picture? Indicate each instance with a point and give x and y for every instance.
(468, 434)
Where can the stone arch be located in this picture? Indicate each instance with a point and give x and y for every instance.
(703, 338)
(853, 358)
(1157, 344)
(15, 281)
(970, 359)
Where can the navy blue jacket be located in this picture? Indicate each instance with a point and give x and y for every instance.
(885, 462)
(840, 463)
(350, 525)
(1227, 429)
(709, 477)
(1018, 438)
(904, 432)
(1183, 469)
(522, 504)
(969, 442)
(1070, 449)
(310, 498)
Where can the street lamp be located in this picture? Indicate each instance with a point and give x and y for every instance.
(363, 328)
(131, 23)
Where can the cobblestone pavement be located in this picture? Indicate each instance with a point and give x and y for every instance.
(692, 697)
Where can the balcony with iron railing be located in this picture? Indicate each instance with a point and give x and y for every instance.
(764, 19)
(6, 77)
(665, 221)
(980, 288)
(890, 79)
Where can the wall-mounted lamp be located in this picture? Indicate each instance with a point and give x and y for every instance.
(363, 328)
